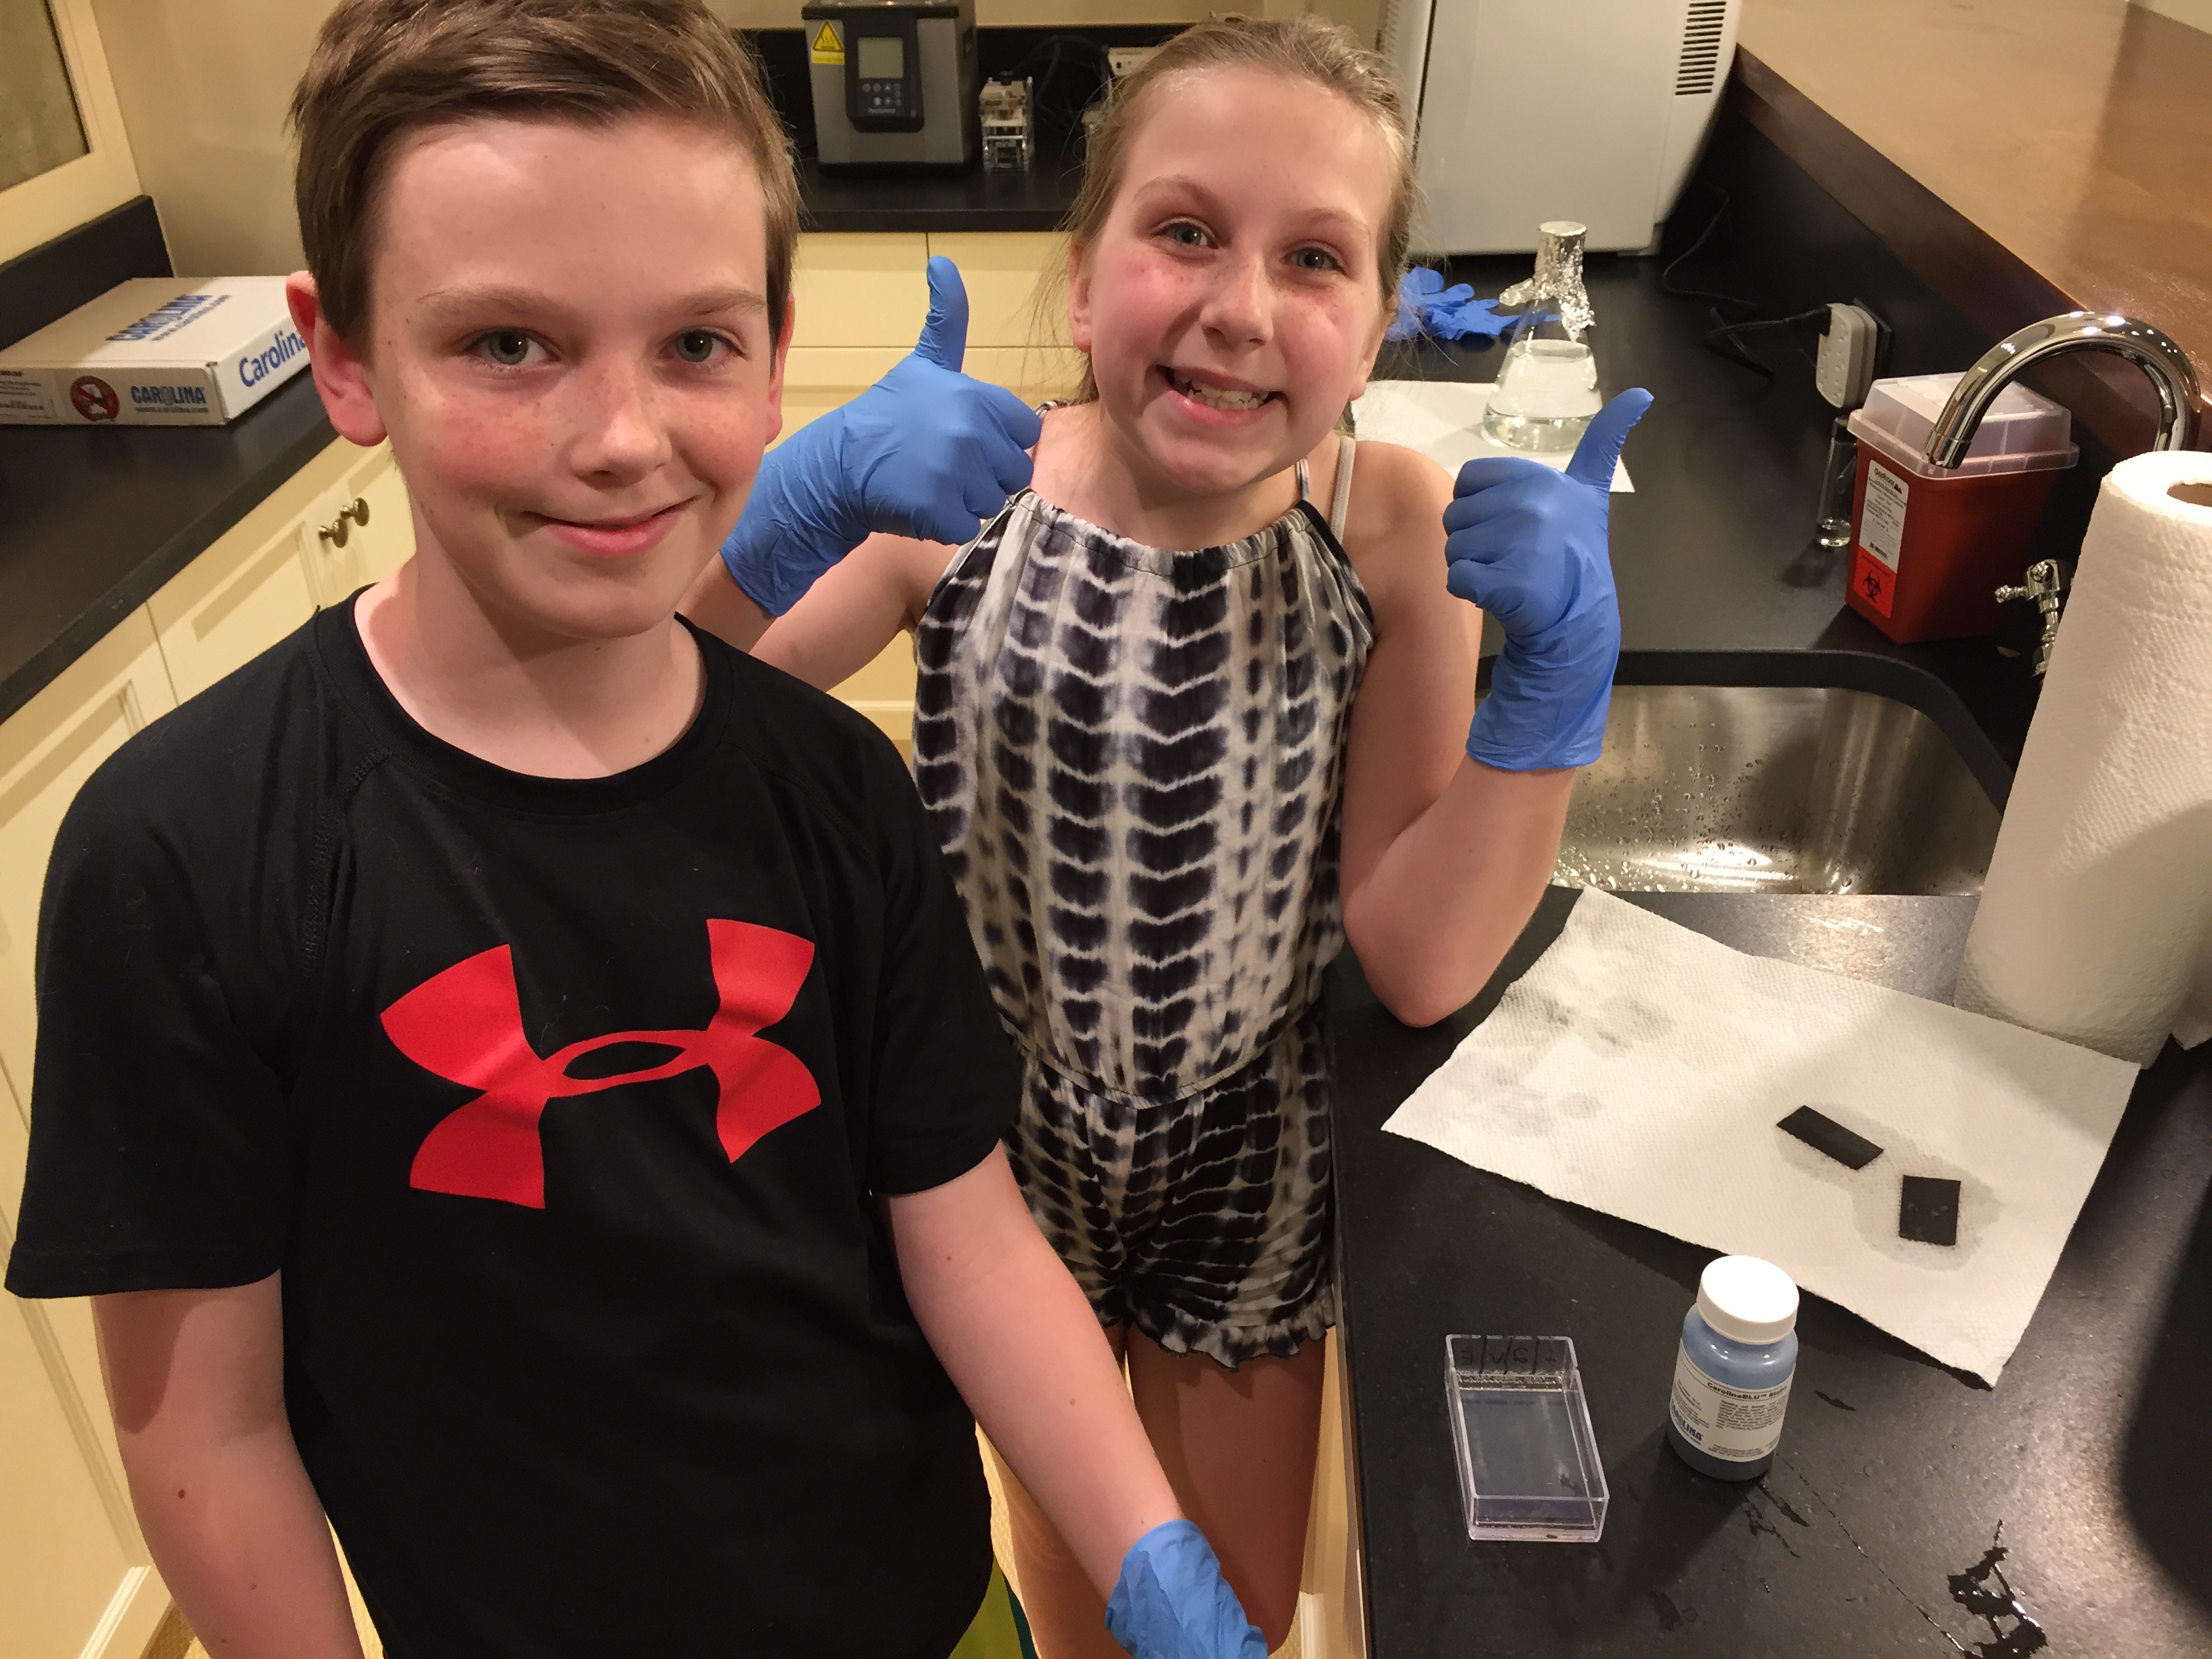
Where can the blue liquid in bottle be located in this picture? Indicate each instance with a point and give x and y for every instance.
(1732, 1375)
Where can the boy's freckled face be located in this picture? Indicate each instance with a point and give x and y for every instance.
(1231, 304)
(571, 349)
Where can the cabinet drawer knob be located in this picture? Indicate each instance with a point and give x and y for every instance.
(335, 531)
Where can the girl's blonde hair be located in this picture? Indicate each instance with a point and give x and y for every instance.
(1305, 48)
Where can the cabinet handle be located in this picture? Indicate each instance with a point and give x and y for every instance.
(335, 531)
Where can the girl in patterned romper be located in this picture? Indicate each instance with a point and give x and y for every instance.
(1193, 709)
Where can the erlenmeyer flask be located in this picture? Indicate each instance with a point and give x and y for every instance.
(1546, 388)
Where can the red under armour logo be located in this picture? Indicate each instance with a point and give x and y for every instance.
(465, 1025)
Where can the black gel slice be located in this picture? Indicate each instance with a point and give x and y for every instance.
(1824, 1134)
(1927, 1212)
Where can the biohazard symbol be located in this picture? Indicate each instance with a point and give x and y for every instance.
(1874, 582)
(465, 1025)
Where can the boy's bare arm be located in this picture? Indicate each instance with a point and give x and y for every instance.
(196, 1380)
(1023, 1348)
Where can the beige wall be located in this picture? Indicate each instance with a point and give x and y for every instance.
(2197, 14)
(1361, 16)
(204, 86)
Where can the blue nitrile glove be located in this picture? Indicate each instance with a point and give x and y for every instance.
(1173, 1603)
(1425, 306)
(1528, 545)
(1418, 290)
(925, 451)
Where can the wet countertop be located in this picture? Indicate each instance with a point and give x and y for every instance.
(1874, 1533)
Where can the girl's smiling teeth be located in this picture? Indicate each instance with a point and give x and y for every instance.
(1216, 397)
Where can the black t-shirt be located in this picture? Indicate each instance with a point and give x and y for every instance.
(563, 1107)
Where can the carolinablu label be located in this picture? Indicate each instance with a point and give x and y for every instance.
(1737, 1425)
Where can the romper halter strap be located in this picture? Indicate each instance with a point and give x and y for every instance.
(1340, 499)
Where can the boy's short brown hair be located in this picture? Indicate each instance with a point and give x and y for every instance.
(383, 68)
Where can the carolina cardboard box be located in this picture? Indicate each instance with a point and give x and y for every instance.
(155, 351)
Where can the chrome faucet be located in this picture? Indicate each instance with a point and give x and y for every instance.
(2148, 348)
(2046, 586)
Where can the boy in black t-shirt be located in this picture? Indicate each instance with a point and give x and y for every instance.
(510, 1069)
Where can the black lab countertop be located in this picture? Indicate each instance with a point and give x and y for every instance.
(2089, 1464)
(93, 520)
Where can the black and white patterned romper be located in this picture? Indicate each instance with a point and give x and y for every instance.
(1135, 762)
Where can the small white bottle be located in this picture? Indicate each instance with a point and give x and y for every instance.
(1732, 1375)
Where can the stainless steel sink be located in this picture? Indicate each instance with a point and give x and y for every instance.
(1775, 789)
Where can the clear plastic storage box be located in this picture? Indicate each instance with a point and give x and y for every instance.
(1528, 1467)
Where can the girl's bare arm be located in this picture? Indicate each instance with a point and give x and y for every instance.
(1444, 858)
(854, 609)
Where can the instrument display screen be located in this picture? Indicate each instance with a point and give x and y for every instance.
(880, 57)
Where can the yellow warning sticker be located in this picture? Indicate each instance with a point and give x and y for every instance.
(828, 46)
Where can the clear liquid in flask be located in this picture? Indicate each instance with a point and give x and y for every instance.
(1546, 394)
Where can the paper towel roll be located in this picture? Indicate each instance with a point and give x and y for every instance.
(2096, 922)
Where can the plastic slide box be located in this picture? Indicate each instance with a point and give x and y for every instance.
(1528, 1467)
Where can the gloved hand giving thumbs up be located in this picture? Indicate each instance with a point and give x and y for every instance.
(925, 451)
(1528, 545)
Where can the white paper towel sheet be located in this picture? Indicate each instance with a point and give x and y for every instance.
(2095, 923)
(1442, 419)
(1640, 1069)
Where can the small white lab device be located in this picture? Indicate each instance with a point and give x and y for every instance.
(1843, 367)
(1005, 109)
(1532, 110)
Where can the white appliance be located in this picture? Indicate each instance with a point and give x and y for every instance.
(1530, 110)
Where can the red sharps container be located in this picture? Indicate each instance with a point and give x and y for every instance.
(1930, 547)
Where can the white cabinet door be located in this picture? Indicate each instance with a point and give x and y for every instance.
(861, 300)
(1017, 321)
(1003, 271)
(860, 289)
(230, 605)
(358, 529)
(387, 526)
(74, 1581)
(251, 588)
(47, 750)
